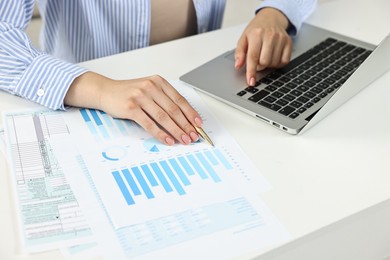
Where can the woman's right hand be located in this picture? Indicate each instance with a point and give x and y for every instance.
(151, 102)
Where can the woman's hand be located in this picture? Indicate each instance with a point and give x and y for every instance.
(264, 43)
(151, 102)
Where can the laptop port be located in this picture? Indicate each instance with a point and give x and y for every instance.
(276, 124)
(262, 118)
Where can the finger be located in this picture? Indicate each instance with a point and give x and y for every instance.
(240, 52)
(189, 112)
(286, 53)
(180, 127)
(266, 53)
(171, 110)
(162, 118)
(255, 44)
(276, 53)
(152, 128)
(181, 113)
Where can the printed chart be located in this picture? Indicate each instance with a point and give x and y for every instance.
(173, 174)
(141, 179)
(160, 201)
(104, 127)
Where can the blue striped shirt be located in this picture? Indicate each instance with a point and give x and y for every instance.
(80, 30)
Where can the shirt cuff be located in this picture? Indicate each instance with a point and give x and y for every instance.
(47, 80)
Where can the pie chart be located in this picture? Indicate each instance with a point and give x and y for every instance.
(114, 153)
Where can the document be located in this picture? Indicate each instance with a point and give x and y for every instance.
(82, 252)
(138, 198)
(135, 174)
(2, 142)
(49, 213)
(149, 201)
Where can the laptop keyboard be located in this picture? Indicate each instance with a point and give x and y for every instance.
(312, 76)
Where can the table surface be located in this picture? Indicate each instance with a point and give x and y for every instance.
(334, 170)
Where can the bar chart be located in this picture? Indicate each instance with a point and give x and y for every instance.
(172, 174)
(141, 179)
(103, 127)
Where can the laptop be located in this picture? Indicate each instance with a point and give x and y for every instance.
(326, 69)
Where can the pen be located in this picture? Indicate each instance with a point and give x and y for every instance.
(204, 135)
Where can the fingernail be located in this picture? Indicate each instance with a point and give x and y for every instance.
(194, 136)
(252, 82)
(186, 139)
(236, 64)
(198, 121)
(169, 141)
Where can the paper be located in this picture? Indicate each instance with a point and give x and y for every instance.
(49, 213)
(225, 222)
(212, 210)
(82, 252)
(140, 179)
(220, 231)
(2, 142)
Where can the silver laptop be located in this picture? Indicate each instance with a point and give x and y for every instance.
(326, 70)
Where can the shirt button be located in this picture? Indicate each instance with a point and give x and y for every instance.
(40, 92)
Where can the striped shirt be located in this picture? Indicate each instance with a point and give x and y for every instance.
(79, 30)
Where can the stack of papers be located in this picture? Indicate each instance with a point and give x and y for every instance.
(92, 185)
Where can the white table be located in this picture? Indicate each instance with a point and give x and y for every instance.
(338, 169)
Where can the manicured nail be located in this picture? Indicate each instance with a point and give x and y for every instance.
(252, 82)
(194, 136)
(169, 141)
(198, 121)
(186, 139)
(236, 63)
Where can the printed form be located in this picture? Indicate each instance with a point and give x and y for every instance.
(49, 213)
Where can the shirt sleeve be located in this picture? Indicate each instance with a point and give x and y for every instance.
(296, 11)
(25, 70)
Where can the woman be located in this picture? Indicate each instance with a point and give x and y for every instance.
(79, 30)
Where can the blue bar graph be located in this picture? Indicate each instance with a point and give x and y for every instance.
(161, 177)
(106, 119)
(208, 167)
(142, 182)
(149, 175)
(186, 166)
(121, 127)
(211, 157)
(179, 172)
(122, 186)
(98, 122)
(96, 117)
(222, 159)
(88, 121)
(85, 115)
(197, 166)
(172, 178)
(130, 180)
(172, 174)
(104, 126)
